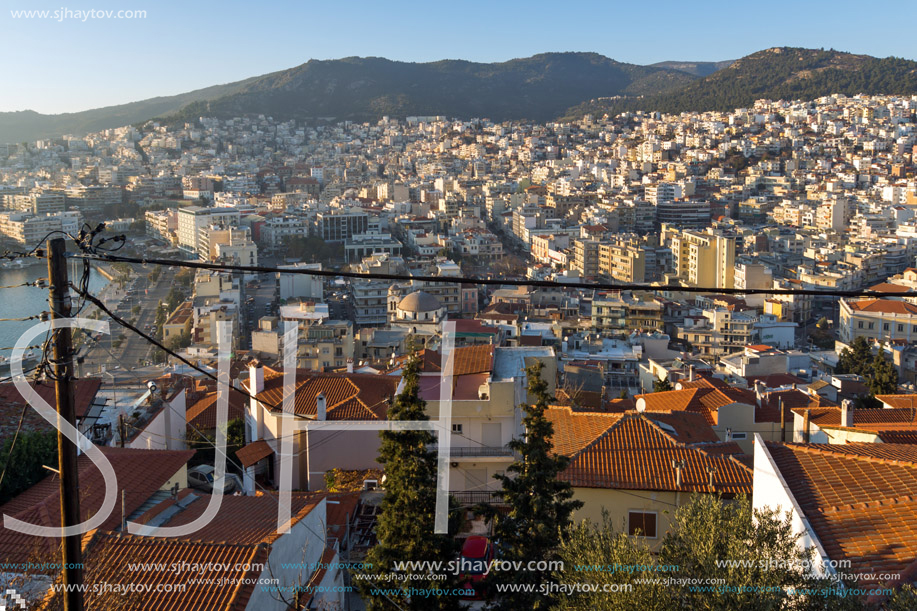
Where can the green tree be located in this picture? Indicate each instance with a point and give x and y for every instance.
(662, 384)
(856, 359)
(884, 378)
(24, 466)
(760, 545)
(407, 519)
(540, 504)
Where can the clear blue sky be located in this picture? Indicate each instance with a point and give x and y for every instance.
(61, 66)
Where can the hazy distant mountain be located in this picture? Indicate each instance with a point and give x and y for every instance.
(778, 73)
(29, 125)
(695, 68)
(538, 88)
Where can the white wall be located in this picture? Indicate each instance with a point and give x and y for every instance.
(770, 490)
(302, 546)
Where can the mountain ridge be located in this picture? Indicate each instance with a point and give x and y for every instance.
(540, 88)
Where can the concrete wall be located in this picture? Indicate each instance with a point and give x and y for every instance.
(619, 502)
(771, 491)
(303, 545)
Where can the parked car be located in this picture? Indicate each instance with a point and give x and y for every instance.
(477, 554)
(201, 477)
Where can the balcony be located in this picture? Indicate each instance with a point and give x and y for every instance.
(478, 452)
(473, 497)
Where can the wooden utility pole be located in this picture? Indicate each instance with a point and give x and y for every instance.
(62, 365)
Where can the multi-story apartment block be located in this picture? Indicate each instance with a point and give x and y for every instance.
(703, 259)
(882, 320)
(26, 228)
(162, 224)
(623, 262)
(338, 226)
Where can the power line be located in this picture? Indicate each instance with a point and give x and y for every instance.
(594, 286)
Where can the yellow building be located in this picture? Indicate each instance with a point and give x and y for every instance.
(639, 468)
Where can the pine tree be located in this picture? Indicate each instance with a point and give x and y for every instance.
(540, 505)
(856, 359)
(405, 524)
(884, 379)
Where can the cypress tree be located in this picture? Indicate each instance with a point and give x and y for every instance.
(540, 505)
(406, 521)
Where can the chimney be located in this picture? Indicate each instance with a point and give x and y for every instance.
(690, 373)
(677, 465)
(782, 420)
(321, 408)
(255, 377)
(847, 413)
(760, 389)
(805, 426)
(349, 365)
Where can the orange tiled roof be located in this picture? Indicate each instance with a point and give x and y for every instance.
(884, 306)
(107, 557)
(140, 473)
(251, 453)
(634, 452)
(862, 506)
(904, 401)
(245, 520)
(349, 396)
(862, 418)
(11, 403)
(705, 401)
(202, 414)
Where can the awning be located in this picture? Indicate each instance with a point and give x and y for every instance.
(253, 452)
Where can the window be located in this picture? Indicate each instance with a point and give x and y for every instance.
(872, 325)
(860, 324)
(641, 524)
(885, 326)
(739, 436)
(900, 328)
(456, 429)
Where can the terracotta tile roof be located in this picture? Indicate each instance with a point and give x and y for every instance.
(635, 452)
(863, 508)
(862, 418)
(575, 430)
(11, 403)
(251, 453)
(704, 382)
(582, 398)
(904, 401)
(108, 556)
(769, 410)
(883, 306)
(140, 473)
(245, 520)
(349, 396)
(202, 414)
(705, 401)
(898, 436)
(689, 427)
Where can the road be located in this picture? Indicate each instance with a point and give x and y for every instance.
(133, 350)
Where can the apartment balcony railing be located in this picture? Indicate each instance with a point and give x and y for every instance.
(473, 497)
(478, 451)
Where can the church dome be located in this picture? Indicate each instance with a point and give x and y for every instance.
(419, 301)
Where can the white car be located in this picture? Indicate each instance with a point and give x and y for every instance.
(201, 477)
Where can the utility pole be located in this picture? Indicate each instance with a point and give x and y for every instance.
(62, 363)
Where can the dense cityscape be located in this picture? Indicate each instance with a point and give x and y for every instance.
(702, 318)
